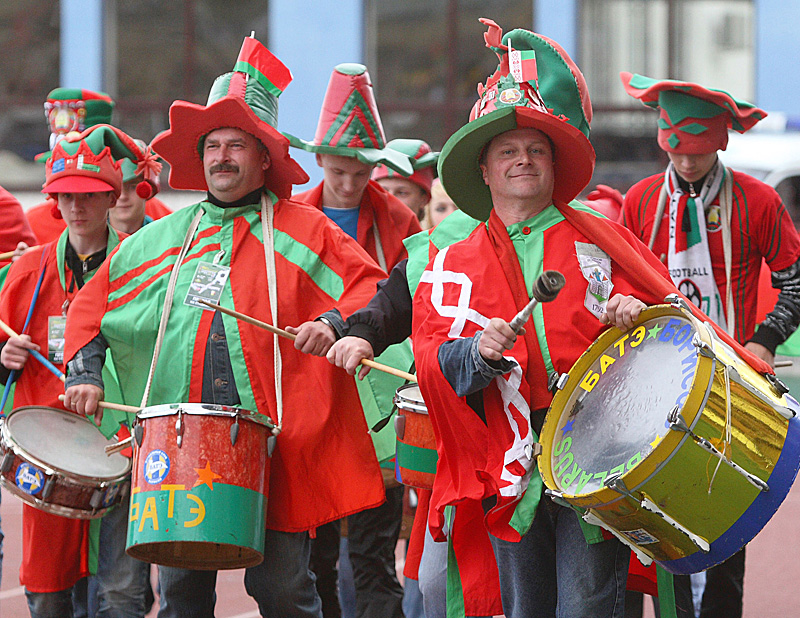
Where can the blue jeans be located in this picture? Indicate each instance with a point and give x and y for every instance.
(121, 580)
(50, 604)
(433, 577)
(282, 585)
(554, 572)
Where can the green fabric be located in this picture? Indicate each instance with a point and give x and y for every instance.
(455, 590)
(456, 227)
(376, 392)
(666, 593)
(94, 544)
(525, 511)
(97, 141)
(370, 156)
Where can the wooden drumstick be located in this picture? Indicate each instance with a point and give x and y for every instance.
(783, 363)
(279, 331)
(9, 254)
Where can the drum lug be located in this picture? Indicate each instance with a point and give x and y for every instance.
(271, 442)
(49, 484)
(703, 348)
(138, 435)
(179, 426)
(234, 432)
(8, 461)
(557, 381)
(777, 384)
(676, 301)
(96, 500)
(400, 426)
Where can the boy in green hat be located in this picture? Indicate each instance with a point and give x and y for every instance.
(713, 227)
(415, 190)
(275, 259)
(83, 176)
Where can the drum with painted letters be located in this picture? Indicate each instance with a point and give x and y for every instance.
(55, 461)
(200, 486)
(664, 436)
(416, 445)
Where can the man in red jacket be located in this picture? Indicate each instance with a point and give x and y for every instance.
(349, 143)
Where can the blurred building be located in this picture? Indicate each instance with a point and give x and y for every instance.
(425, 58)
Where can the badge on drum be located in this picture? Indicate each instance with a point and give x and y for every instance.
(29, 479)
(56, 325)
(596, 268)
(207, 284)
(156, 467)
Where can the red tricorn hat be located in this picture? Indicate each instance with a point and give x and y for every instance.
(245, 99)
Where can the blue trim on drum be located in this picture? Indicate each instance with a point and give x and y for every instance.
(755, 517)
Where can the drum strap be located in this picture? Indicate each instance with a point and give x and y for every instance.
(268, 233)
(173, 278)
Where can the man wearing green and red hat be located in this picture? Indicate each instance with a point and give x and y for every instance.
(349, 143)
(415, 190)
(69, 111)
(275, 259)
(713, 227)
(84, 178)
(519, 163)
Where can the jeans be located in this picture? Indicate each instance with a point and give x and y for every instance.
(324, 556)
(433, 577)
(412, 599)
(121, 580)
(50, 604)
(282, 585)
(554, 572)
(372, 538)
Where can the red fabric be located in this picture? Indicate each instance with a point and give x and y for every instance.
(471, 453)
(642, 578)
(395, 221)
(761, 229)
(767, 295)
(54, 549)
(47, 228)
(13, 224)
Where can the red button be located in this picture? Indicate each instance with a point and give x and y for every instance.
(526, 230)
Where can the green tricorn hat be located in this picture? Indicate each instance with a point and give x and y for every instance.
(693, 119)
(537, 86)
(349, 124)
(72, 111)
(245, 99)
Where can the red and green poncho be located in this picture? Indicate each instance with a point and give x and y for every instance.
(324, 466)
(761, 229)
(462, 288)
(394, 219)
(55, 550)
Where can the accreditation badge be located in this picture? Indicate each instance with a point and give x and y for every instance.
(596, 268)
(207, 284)
(56, 325)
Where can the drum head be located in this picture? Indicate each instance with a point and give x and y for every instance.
(618, 397)
(409, 397)
(64, 441)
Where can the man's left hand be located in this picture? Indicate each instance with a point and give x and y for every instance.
(762, 352)
(622, 311)
(313, 337)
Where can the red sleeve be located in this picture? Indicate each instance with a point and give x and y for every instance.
(14, 226)
(776, 235)
(84, 316)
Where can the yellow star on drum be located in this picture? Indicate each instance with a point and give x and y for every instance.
(206, 475)
(655, 442)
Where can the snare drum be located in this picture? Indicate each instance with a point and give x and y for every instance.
(55, 461)
(200, 486)
(664, 436)
(416, 444)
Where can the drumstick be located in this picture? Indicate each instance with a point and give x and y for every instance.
(278, 331)
(545, 288)
(783, 363)
(47, 364)
(9, 254)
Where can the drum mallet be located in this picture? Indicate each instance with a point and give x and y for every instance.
(545, 288)
(279, 331)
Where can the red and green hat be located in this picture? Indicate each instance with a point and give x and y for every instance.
(245, 99)
(92, 161)
(150, 184)
(693, 119)
(73, 110)
(422, 158)
(349, 124)
(537, 86)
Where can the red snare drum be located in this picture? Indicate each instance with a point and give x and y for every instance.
(200, 486)
(416, 444)
(55, 461)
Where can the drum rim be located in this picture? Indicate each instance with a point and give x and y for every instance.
(669, 444)
(407, 404)
(52, 507)
(208, 409)
(50, 469)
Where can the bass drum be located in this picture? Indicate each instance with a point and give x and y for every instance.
(664, 436)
